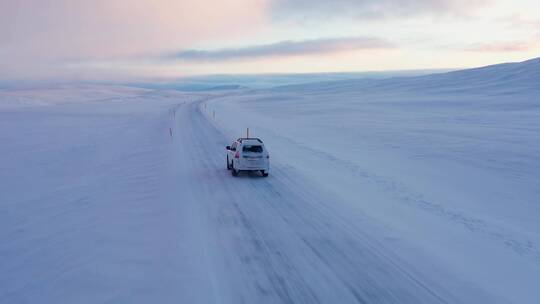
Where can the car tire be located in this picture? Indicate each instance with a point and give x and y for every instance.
(228, 166)
(264, 173)
(233, 170)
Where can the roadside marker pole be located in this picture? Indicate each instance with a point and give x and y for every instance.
(214, 113)
(247, 132)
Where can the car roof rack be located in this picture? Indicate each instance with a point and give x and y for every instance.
(250, 138)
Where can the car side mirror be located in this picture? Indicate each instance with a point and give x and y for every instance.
(228, 147)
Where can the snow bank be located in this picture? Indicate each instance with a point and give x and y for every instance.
(89, 211)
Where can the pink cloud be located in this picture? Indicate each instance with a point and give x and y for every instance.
(501, 47)
(38, 32)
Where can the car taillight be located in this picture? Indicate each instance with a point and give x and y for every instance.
(237, 155)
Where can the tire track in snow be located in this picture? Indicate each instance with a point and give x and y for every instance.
(250, 250)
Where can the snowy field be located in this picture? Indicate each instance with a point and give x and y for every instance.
(402, 190)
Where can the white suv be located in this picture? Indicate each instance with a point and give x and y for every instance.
(248, 154)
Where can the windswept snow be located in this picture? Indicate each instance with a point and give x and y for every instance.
(406, 190)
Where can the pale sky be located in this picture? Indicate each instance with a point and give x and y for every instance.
(41, 39)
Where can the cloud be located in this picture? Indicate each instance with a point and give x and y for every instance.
(518, 21)
(37, 35)
(502, 47)
(371, 9)
(284, 48)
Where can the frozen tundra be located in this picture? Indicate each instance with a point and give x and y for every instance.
(248, 154)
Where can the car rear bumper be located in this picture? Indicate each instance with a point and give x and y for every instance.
(246, 166)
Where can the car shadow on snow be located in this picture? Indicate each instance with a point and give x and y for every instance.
(247, 174)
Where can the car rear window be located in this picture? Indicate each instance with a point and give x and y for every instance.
(252, 149)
